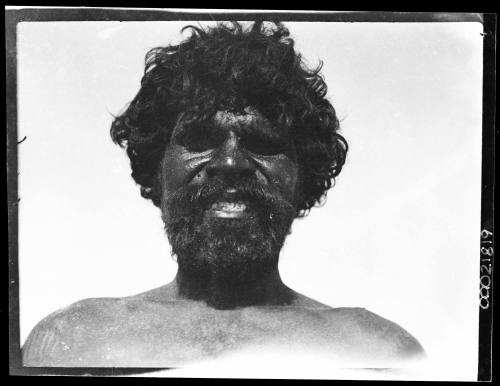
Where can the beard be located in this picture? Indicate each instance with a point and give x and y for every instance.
(224, 261)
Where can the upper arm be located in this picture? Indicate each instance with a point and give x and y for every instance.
(52, 342)
(392, 336)
(408, 347)
(45, 345)
(69, 337)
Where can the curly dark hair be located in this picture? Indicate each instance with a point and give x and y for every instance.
(228, 67)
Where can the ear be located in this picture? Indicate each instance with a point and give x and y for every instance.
(153, 192)
(299, 195)
(157, 190)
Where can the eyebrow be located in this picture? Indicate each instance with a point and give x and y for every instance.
(264, 129)
(255, 127)
(203, 128)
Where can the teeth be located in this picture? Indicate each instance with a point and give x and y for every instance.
(229, 206)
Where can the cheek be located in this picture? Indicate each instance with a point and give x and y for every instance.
(180, 168)
(172, 173)
(283, 173)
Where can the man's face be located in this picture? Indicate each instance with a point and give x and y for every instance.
(229, 196)
(230, 148)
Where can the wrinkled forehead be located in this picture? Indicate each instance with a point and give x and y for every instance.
(250, 116)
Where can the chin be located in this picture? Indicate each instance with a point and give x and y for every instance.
(223, 258)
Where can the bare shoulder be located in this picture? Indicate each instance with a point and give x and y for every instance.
(165, 294)
(376, 333)
(52, 339)
(93, 310)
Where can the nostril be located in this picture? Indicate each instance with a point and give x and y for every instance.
(231, 167)
(199, 177)
(229, 161)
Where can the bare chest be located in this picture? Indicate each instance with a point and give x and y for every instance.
(181, 336)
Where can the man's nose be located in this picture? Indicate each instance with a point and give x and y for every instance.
(231, 163)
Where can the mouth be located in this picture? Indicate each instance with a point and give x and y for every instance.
(228, 209)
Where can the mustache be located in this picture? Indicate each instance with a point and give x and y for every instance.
(201, 197)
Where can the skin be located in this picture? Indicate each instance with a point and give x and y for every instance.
(160, 328)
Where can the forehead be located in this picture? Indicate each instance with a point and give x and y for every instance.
(249, 117)
(251, 120)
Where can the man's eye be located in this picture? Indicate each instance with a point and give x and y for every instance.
(197, 142)
(264, 146)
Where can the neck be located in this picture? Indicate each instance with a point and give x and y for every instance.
(222, 290)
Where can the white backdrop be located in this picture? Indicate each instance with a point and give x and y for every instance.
(399, 233)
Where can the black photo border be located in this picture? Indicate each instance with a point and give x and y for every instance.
(15, 16)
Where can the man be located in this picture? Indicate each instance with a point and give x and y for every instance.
(232, 138)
